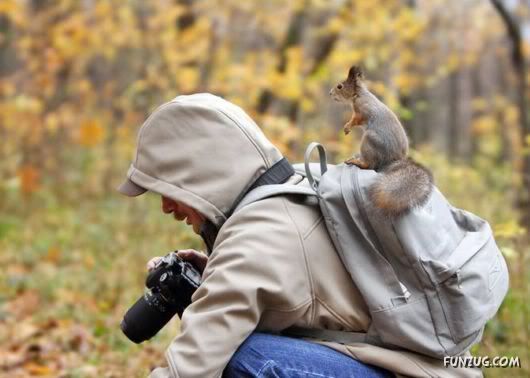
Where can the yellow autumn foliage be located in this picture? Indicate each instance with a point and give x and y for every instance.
(78, 78)
(91, 133)
(484, 125)
(29, 177)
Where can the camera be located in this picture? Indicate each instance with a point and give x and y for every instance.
(170, 286)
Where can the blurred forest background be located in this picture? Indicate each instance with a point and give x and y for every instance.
(78, 78)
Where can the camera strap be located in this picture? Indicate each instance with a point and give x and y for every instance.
(277, 174)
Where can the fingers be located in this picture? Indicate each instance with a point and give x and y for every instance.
(190, 254)
(152, 263)
(196, 258)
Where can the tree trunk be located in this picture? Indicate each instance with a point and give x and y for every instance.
(454, 114)
(514, 34)
(292, 38)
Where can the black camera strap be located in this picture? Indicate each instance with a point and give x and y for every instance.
(277, 174)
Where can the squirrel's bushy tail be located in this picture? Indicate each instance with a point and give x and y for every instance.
(403, 184)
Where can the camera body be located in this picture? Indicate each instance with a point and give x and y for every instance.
(170, 286)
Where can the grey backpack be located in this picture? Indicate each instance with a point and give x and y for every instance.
(431, 278)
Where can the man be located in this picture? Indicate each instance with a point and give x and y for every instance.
(271, 265)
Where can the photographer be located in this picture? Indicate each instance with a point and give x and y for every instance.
(271, 265)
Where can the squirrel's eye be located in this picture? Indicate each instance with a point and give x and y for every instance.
(339, 86)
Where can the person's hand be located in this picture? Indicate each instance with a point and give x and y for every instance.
(196, 258)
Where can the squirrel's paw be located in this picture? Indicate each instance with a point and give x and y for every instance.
(347, 128)
(357, 120)
(358, 162)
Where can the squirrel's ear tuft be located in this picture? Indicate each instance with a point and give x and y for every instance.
(355, 72)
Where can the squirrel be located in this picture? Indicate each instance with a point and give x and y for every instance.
(404, 183)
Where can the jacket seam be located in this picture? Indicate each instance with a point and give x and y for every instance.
(171, 364)
(265, 160)
(357, 357)
(239, 126)
(148, 122)
(290, 309)
(312, 227)
(418, 365)
(219, 110)
(308, 272)
(332, 312)
(411, 360)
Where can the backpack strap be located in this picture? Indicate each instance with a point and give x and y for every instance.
(323, 163)
(341, 337)
(277, 174)
(265, 191)
(311, 172)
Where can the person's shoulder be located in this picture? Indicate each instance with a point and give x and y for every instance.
(288, 212)
(262, 246)
(264, 217)
(272, 226)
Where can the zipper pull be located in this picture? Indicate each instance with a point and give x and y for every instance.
(458, 279)
(406, 292)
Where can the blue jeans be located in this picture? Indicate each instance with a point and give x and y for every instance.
(270, 356)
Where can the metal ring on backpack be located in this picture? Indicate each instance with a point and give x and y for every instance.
(323, 162)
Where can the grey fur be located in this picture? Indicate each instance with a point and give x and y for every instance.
(384, 147)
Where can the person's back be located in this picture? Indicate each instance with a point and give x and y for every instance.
(272, 265)
(316, 288)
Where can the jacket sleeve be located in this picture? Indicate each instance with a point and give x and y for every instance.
(237, 287)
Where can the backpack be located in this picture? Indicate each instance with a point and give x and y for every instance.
(431, 278)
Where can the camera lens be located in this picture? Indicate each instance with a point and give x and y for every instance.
(144, 320)
(170, 287)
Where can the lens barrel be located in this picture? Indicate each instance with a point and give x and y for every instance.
(143, 320)
(170, 285)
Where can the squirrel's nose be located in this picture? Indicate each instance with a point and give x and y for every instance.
(331, 92)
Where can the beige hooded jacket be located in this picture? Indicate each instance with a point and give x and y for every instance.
(272, 265)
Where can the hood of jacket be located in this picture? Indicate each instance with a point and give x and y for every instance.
(200, 150)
